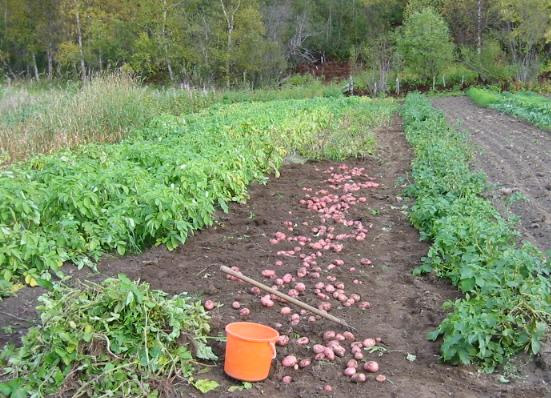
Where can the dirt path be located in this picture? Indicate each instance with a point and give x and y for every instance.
(515, 156)
(403, 308)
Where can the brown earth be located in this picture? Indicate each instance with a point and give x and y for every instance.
(330, 70)
(515, 156)
(403, 308)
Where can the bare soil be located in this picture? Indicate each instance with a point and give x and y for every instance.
(403, 308)
(516, 157)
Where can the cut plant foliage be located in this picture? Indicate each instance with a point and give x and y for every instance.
(118, 338)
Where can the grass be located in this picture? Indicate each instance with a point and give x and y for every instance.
(533, 108)
(483, 98)
(37, 119)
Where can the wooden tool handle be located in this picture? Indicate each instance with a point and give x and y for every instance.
(290, 299)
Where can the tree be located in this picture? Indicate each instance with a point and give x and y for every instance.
(425, 44)
(526, 23)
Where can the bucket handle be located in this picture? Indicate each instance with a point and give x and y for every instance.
(272, 346)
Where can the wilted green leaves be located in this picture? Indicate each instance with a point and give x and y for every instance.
(118, 336)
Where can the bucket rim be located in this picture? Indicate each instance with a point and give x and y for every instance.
(267, 340)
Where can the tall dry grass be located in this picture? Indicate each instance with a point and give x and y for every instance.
(36, 119)
(105, 109)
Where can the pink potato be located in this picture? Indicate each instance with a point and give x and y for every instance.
(369, 342)
(327, 388)
(339, 351)
(303, 340)
(285, 311)
(318, 348)
(359, 378)
(380, 378)
(329, 353)
(348, 336)
(209, 305)
(287, 379)
(349, 372)
(244, 312)
(236, 305)
(300, 287)
(289, 361)
(282, 340)
(268, 273)
(371, 367)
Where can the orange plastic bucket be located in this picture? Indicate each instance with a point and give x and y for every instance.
(250, 348)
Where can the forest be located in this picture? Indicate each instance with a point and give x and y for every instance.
(254, 43)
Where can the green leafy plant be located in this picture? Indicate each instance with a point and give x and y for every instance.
(506, 306)
(115, 338)
(164, 182)
(528, 106)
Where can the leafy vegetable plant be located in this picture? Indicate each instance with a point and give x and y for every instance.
(117, 338)
(506, 306)
(533, 108)
(164, 182)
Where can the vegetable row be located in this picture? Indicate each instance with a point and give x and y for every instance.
(506, 307)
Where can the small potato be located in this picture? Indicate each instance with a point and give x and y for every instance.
(348, 336)
(236, 305)
(349, 372)
(287, 379)
(303, 340)
(380, 378)
(304, 363)
(318, 348)
(244, 312)
(209, 305)
(371, 367)
(282, 340)
(329, 353)
(289, 361)
(369, 342)
(285, 311)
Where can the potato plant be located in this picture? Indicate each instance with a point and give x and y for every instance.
(162, 183)
(506, 308)
(117, 338)
(533, 108)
